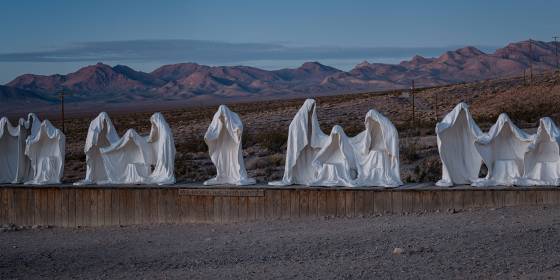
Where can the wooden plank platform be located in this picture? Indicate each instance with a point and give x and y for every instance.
(72, 206)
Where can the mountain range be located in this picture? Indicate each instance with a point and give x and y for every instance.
(101, 83)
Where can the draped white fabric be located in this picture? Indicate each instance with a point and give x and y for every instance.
(377, 152)
(12, 148)
(45, 150)
(371, 158)
(502, 150)
(15, 166)
(223, 139)
(335, 162)
(456, 136)
(101, 133)
(128, 161)
(163, 147)
(305, 139)
(542, 159)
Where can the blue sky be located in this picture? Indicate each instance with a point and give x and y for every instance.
(47, 37)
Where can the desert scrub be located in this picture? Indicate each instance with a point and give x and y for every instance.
(272, 141)
(409, 150)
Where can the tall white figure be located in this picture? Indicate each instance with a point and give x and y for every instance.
(305, 139)
(12, 148)
(163, 146)
(502, 150)
(223, 138)
(377, 152)
(15, 166)
(129, 160)
(45, 149)
(542, 159)
(456, 136)
(335, 162)
(101, 134)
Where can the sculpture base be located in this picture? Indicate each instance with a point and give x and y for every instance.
(72, 206)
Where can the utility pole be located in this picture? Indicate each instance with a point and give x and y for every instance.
(435, 106)
(413, 109)
(531, 60)
(61, 95)
(556, 51)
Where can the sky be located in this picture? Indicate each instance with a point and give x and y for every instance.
(56, 36)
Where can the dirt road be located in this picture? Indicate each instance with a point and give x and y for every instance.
(522, 243)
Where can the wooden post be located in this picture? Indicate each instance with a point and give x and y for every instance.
(62, 110)
(413, 108)
(435, 106)
(531, 60)
(556, 51)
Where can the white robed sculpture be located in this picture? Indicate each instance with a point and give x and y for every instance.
(502, 150)
(223, 138)
(15, 166)
(377, 152)
(542, 159)
(45, 150)
(335, 162)
(101, 134)
(12, 148)
(456, 136)
(128, 161)
(163, 146)
(305, 139)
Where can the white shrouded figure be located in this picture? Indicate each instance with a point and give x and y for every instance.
(502, 150)
(542, 160)
(45, 150)
(335, 162)
(223, 138)
(12, 148)
(129, 160)
(377, 152)
(15, 167)
(163, 146)
(456, 136)
(305, 139)
(101, 133)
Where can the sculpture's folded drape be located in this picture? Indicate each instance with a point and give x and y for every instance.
(542, 159)
(456, 136)
(129, 160)
(45, 150)
(223, 138)
(502, 150)
(163, 146)
(101, 134)
(377, 152)
(305, 139)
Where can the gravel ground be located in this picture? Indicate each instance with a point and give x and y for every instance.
(519, 243)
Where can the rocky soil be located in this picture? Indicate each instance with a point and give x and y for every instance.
(506, 243)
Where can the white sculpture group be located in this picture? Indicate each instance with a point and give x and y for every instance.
(130, 159)
(511, 156)
(32, 152)
(313, 158)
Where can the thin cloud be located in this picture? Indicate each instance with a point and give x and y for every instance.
(213, 52)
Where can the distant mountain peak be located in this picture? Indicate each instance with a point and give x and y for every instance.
(364, 63)
(103, 83)
(469, 51)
